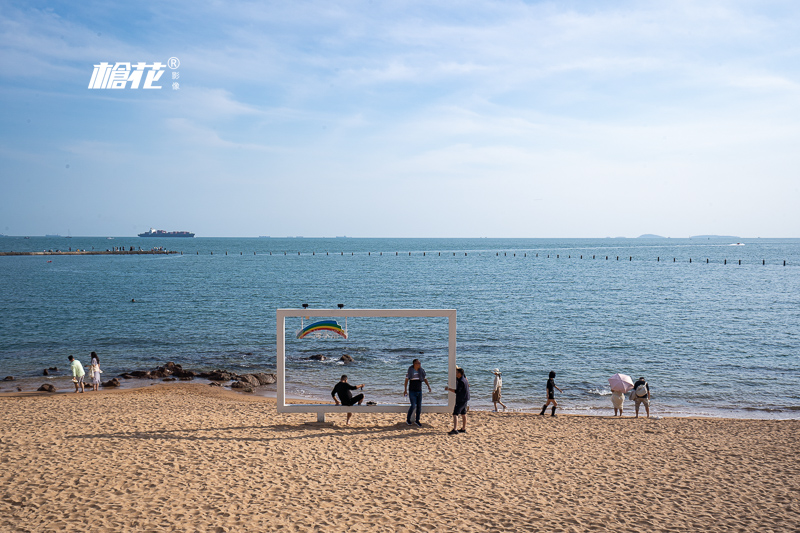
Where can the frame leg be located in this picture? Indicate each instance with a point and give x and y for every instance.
(320, 417)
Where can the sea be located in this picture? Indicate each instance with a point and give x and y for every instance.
(713, 324)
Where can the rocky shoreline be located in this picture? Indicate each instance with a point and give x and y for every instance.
(172, 371)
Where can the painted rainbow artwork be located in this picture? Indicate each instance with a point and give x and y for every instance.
(323, 328)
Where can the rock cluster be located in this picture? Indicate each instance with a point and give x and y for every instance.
(113, 382)
(47, 387)
(171, 371)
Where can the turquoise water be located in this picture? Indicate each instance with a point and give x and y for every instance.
(713, 338)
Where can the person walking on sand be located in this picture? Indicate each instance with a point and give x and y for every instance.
(498, 384)
(413, 389)
(641, 395)
(462, 399)
(94, 370)
(342, 389)
(551, 394)
(77, 373)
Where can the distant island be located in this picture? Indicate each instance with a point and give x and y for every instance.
(731, 237)
(650, 236)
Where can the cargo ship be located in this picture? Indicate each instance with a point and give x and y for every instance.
(162, 233)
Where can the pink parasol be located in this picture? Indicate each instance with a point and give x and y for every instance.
(620, 382)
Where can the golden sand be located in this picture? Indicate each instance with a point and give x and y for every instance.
(189, 457)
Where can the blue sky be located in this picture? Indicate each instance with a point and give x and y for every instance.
(404, 119)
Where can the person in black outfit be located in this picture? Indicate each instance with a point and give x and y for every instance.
(342, 389)
(462, 398)
(551, 394)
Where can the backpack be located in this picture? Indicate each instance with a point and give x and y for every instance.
(641, 391)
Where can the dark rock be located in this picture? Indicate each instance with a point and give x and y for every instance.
(317, 357)
(140, 374)
(220, 375)
(53, 368)
(242, 386)
(186, 378)
(47, 387)
(215, 384)
(172, 367)
(9, 378)
(249, 353)
(113, 382)
(184, 374)
(266, 379)
(158, 373)
(170, 379)
(126, 376)
(251, 379)
(346, 358)
(45, 372)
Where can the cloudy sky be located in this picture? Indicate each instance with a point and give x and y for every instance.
(404, 119)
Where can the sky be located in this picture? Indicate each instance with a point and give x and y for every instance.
(403, 119)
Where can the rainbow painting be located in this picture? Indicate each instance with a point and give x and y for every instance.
(322, 329)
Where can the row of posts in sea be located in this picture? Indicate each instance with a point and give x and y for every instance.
(505, 254)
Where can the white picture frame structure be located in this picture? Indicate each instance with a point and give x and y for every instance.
(321, 409)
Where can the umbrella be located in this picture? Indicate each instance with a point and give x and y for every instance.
(620, 382)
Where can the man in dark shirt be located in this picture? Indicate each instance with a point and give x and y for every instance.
(462, 398)
(342, 389)
(643, 399)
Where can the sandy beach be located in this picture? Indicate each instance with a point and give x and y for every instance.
(189, 457)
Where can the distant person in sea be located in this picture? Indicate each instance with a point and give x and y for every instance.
(94, 370)
(641, 395)
(412, 388)
(617, 400)
(551, 394)
(462, 399)
(77, 373)
(342, 389)
(498, 384)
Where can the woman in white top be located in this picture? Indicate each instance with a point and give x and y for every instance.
(94, 370)
(498, 384)
(617, 400)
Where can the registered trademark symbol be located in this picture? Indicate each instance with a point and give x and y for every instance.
(174, 63)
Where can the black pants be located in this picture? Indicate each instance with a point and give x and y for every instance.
(354, 400)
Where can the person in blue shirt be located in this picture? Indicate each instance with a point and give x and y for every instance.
(462, 399)
(413, 389)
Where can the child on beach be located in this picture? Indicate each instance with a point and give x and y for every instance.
(462, 398)
(551, 395)
(77, 373)
(498, 384)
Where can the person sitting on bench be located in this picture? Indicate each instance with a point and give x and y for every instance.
(343, 389)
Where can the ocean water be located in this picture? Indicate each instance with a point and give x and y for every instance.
(717, 336)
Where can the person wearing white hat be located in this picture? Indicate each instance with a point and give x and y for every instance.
(498, 384)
